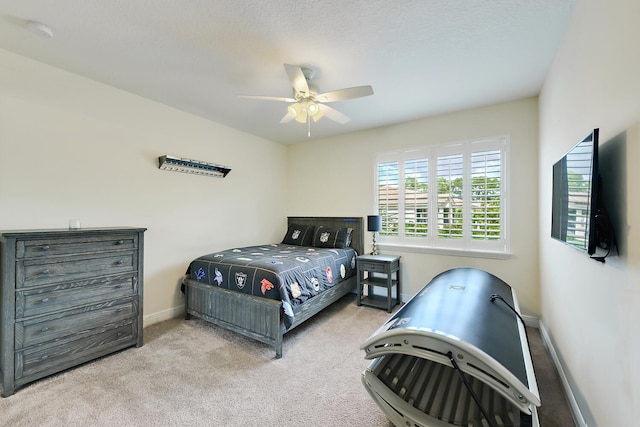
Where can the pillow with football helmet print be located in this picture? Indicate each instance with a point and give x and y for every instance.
(299, 235)
(326, 237)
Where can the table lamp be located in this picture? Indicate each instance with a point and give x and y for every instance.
(374, 224)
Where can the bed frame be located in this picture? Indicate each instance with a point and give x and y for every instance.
(261, 318)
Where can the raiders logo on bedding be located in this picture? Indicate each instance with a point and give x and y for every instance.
(241, 280)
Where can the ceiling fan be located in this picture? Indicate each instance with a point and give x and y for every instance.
(307, 103)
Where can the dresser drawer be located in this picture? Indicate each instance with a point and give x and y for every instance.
(40, 301)
(64, 324)
(373, 266)
(39, 361)
(36, 272)
(74, 245)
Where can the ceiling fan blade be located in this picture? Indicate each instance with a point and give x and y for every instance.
(333, 114)
(344, 94)
(287, 118)
(268, 98)
(298, 80)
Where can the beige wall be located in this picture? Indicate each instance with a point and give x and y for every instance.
(74, 148)
(336, 177)
(592, 311)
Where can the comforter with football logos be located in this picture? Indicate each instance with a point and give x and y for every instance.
(291, 274)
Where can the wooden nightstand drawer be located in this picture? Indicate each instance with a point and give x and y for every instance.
(372, 266)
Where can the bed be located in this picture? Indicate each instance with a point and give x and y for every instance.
(264, 291)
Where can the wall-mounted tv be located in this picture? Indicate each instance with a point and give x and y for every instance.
(575, 196)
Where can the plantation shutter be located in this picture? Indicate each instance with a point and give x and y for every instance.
(388, 203)
(416, 201)
(486, 195)
(450, 197)
(450, 190)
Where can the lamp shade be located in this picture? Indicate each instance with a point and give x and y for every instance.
(374, 223)
(298, 112)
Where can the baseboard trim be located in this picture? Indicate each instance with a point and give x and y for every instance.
(531, 321)
(163, 315)
(578, 419)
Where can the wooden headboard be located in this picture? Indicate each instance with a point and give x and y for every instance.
(357, 236)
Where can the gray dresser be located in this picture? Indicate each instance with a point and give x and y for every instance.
(67, 297)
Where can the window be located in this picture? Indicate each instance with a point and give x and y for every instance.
(450, 196)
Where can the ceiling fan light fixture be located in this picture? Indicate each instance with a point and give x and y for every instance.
(298, 112)
(312, 108)
(307, 103)
(317, 116)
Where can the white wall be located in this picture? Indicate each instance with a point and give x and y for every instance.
(591, 310)
(74, 148)
(336, 177)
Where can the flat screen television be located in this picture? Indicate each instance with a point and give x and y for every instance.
(575, 196)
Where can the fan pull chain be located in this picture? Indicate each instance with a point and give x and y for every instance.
(308, 126)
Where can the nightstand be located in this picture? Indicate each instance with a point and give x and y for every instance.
(378, 271)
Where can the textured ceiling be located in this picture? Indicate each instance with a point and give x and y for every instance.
(422, 57)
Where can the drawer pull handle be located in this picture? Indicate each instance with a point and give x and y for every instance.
(46, 247)
(45, 299)
(45, 271)
(117, 286)
(119, 262)
(45, 329)
(44, 357)
(118, 310)
(120, 242)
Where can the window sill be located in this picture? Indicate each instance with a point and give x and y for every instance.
(444, 251)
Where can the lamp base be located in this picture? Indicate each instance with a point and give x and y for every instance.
(374, 246)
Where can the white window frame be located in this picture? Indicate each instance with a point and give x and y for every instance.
(466, 245)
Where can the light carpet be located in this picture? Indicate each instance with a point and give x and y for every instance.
(190, 373)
